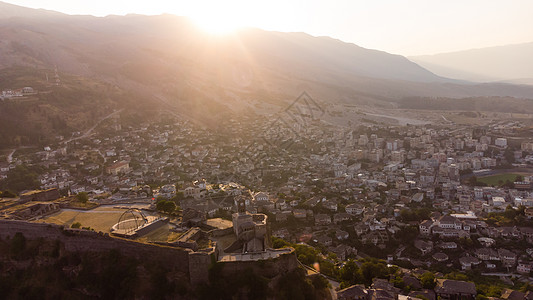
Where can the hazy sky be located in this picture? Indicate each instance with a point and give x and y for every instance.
(408, 27)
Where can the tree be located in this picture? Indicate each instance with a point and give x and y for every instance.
(278, 243)
(319, 282)
(509, 156)
(508, 184)
(350, 273)
(8, 194)
(306, 254)
(328, 268)
(527, 287)
(472, 180)
(160, 204)
(510, 212)
(21, 178)
(165, 206)
(373, 268)
(417, 214)
(428, 280)
(82, 197)
(170, 207)
(76, 225)
(465, 172)
(407, 234)
(179, 196)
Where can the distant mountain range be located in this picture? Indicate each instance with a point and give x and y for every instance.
(167, 59)
(48, 37)
(511, 63)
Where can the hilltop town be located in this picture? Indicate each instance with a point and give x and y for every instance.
(445, 200)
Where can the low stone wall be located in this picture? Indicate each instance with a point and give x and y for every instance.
(151, 227)
(41, 195)
(221, 232)
(188, 239)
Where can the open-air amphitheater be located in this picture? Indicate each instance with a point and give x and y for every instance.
(133, 222)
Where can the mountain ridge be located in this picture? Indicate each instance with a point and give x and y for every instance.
(508, 63)
(168, 57)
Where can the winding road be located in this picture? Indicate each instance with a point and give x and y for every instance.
(9, 157)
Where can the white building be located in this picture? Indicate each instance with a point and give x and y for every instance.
(501, 142)
(498, 201)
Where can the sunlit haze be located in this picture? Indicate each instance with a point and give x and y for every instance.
(282, 149)
(402, 27)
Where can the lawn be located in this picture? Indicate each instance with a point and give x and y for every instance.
(497, 180)
(101, 218)
(161, 234)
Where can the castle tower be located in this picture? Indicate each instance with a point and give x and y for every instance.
(241, 205)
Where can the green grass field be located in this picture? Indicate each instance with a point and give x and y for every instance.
(100, 219)
(497, 180)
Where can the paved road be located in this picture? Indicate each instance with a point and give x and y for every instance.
(401, 120)
(333, 290)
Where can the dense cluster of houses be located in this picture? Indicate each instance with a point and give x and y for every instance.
(326, 177)
(382, 289)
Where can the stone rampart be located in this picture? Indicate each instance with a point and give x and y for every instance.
(194, 265)
(269, 268)
(79, 240)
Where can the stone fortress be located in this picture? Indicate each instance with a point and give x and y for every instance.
(239, 245)
(245, 238)
(251, 231)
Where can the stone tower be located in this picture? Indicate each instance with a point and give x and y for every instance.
(241, 205)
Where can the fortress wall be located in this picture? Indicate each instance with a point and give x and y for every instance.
(8, 228)
(78, 240)
(269, 268)
(194, 265)
(199, 263)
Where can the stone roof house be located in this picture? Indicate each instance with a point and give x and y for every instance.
(455, 289)
(424, 246)
(353, 292)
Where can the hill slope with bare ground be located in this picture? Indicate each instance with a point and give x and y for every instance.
(166, 60)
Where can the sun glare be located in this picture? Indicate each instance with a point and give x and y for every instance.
(218, 24)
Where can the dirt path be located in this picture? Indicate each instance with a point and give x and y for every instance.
(88, 132)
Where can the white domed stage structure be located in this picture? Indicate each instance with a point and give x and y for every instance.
(133, 223)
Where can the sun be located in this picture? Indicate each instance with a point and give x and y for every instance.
(217, 24)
